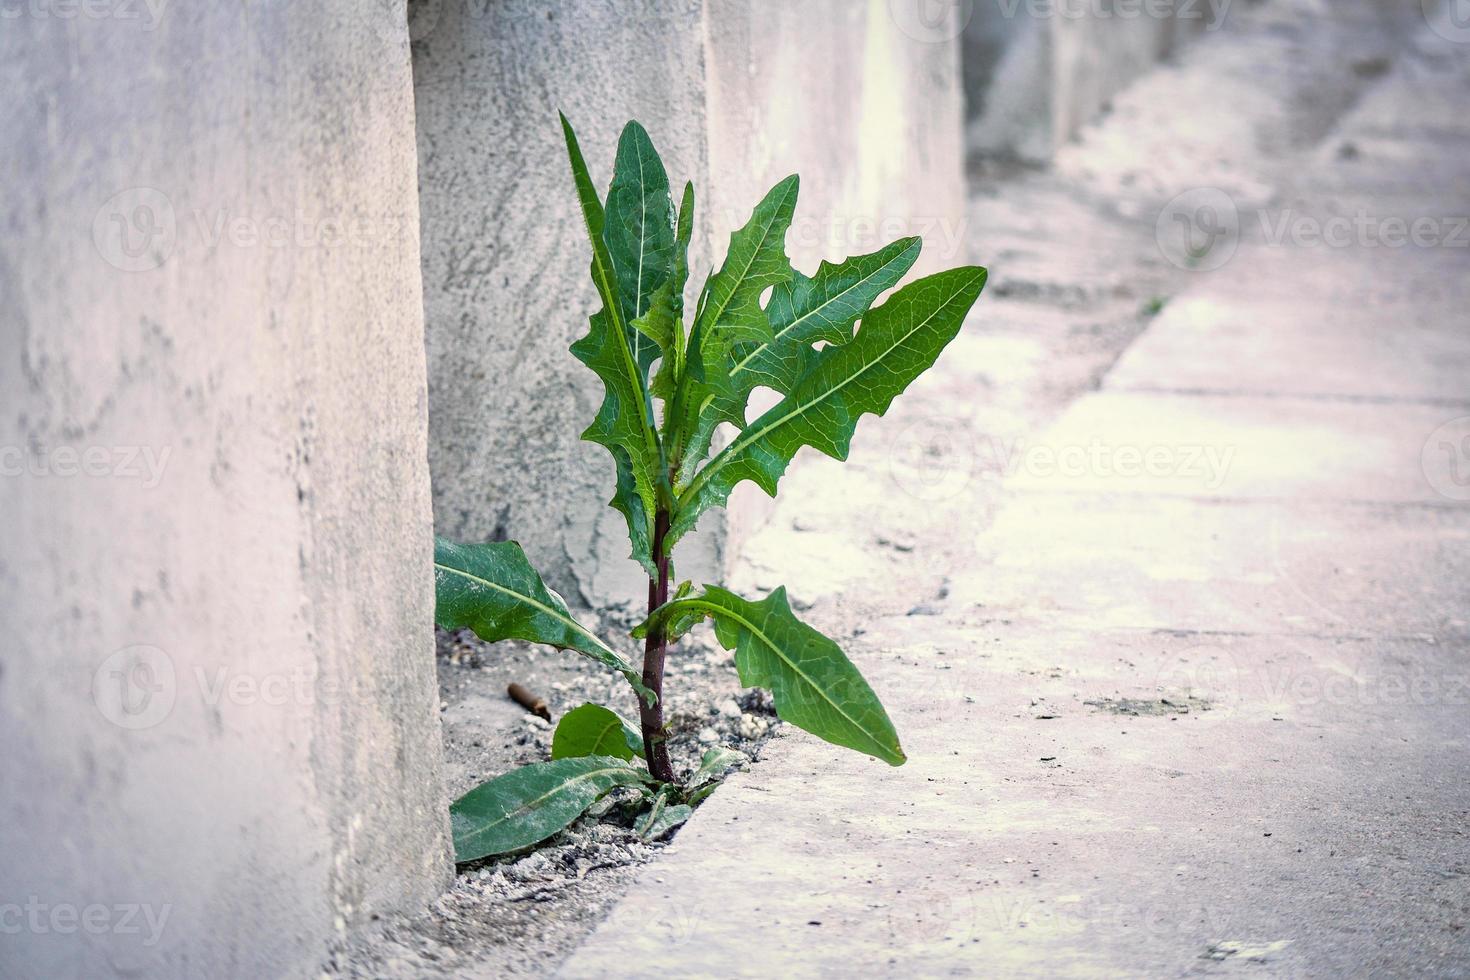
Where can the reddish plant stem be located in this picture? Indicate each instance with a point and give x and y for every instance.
(655, 646)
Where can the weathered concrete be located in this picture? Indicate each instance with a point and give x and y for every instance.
(1155, 726)
(862, 103)
(862, 100)
(1037, 71)
(505, 256)
(217, 693)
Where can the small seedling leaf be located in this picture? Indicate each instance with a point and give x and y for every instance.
(594, 730)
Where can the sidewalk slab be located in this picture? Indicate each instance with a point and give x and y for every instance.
(1121, 442)
(1159, 562)
(1032, 834)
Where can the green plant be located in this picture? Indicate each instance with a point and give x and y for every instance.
(666, 478)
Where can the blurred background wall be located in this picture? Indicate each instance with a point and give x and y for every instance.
(1036, 71)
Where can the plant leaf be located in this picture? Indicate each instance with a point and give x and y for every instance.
(595, 730)
(624, 422)
(824, 307)
(639, 234)
(527, 805)
(756, 260)
(661, 818)
(713, 765)
(492, 589)
(671, 368)
(897, 342)
(729, 314)
(814, 685)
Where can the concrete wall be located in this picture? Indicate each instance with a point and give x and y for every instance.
(505, 259)
(861, 98)
(217, 699)
(1037, 71)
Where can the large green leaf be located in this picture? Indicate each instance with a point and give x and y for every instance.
(592, 729)
(897, 342)
(527, 805)
(756, 261)
(823, 307)
(814, 685)
(493, 590)
(802, 311)
(639, 233)
(730, 314)
(624, 422)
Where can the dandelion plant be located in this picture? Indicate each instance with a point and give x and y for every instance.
(672, 375)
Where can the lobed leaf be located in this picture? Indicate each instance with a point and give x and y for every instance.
(493, 590)
(730, 314)
(592, 729)
(814, 686)
(624, 423)
(527, 805)
(639, 234)
(897, 342)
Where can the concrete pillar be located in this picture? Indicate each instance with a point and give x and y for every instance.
(1037, 71)
(861, 98)
(505, 260)
(217, 695)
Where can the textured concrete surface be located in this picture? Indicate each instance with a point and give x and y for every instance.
(861, 99)
(1159, 725)
(505, 258)
(217, 693)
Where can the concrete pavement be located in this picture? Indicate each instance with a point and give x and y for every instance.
(1182, 664)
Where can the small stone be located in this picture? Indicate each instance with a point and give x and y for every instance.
(728, 708)
(533, 721)
(708, 736)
